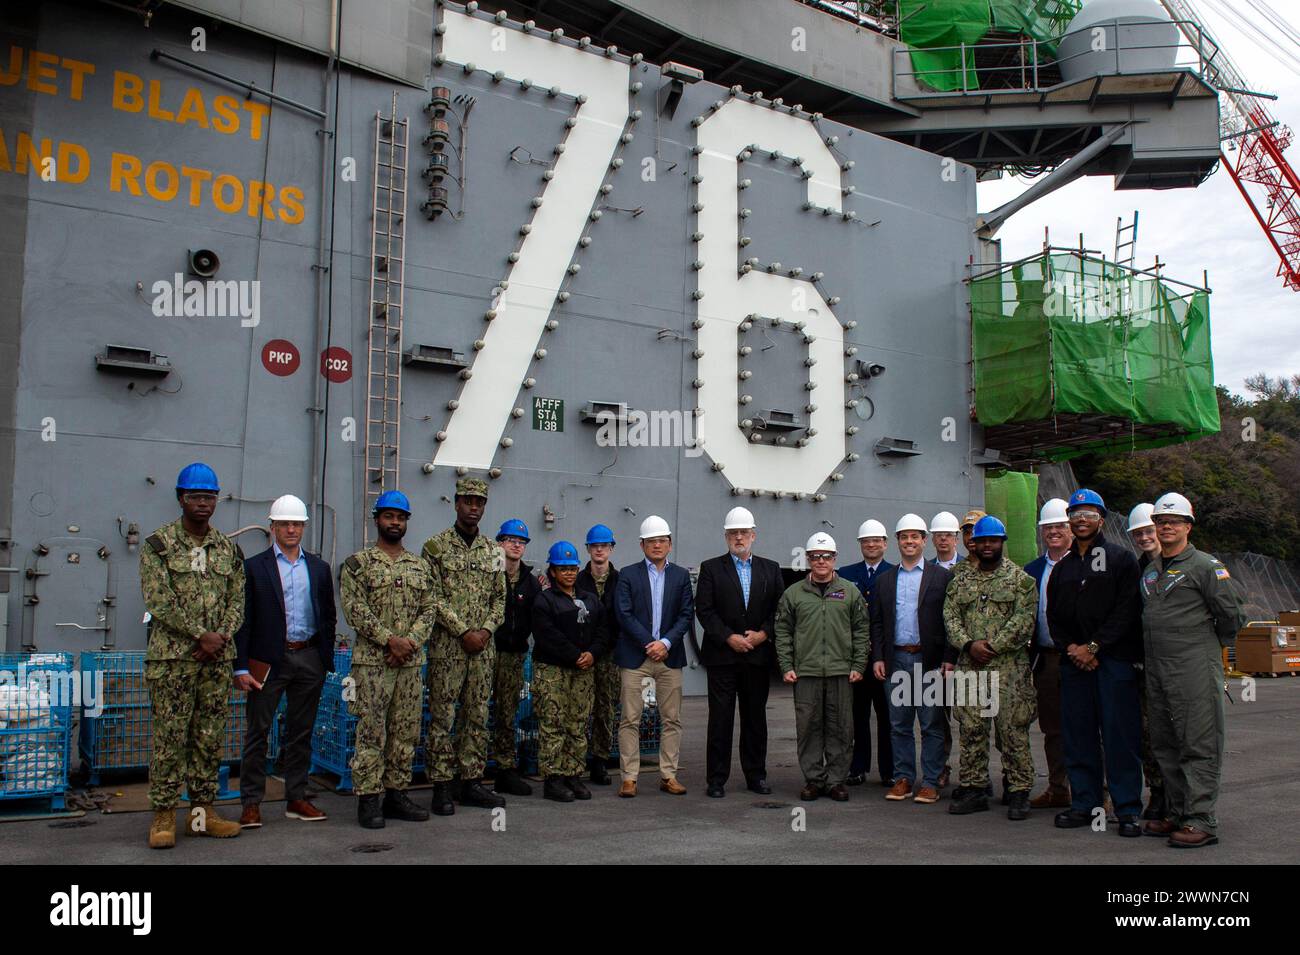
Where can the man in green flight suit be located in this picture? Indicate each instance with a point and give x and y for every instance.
(1190, 611)
(468, 573)
(989, 612)
(192, 578)
(388, 599)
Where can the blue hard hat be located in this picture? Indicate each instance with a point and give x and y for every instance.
(988, 527)
(514, 528)
(1082, 497)
(599, 534)
(197, 477)
(562, 554)
(393, 501)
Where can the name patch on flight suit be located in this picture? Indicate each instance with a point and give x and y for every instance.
(835, 595)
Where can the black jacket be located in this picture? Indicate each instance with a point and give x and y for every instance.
(587, 582)
(513, 633)
(1096, 597)
(720, 608)
(263, 632)
(562, 630)
(935, 648)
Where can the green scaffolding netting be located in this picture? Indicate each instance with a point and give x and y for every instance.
(1065, 333)
(1012, 496)
(935, 30)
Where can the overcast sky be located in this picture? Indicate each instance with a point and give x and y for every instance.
(1255, 320)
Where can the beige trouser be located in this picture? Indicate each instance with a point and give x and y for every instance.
(667, 682)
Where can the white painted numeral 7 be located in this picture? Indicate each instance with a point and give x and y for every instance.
(522, 309)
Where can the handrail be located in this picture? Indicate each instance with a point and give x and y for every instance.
(1199, 63)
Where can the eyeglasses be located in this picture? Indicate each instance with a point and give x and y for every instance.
(1164, 521)
(514, 540)
(1085, 516)
(199, 498)
(821, 557)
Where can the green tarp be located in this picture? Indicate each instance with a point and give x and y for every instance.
(1070, 334)
(934, 31)
(1012, 496)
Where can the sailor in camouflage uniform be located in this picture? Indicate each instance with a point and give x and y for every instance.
(389, 601)
(600, 576)
(468, 573)
(989, 612)
(569, 636)
(192, 578)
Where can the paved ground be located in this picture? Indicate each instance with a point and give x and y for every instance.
(1257, 818)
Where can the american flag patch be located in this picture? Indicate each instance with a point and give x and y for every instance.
(1222, 573)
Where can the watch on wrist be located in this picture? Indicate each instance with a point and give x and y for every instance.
(1093, 647)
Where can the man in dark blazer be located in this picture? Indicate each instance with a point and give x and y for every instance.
(735, 601)
(910, 653)
(655, 616)
(285, 647)
(869, 694)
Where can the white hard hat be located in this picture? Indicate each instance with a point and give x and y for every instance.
(871, 529)
(945, 521)
(821, 541)
(288, 508)
(1053, 512)
(1175, 504)
(1140, 516)
(909, 522)
(738, 518)
(655, 526)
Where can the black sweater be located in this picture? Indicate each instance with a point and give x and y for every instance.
(513, 633)
(563, 630)
(1095, 597)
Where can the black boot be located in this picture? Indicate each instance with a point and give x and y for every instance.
(442, 804)
(1155, 806)
(556, 789)
(511, 783)
(1018, 804)
(578, 789)
(369, 813)
(599, 774)
(966, 800)
(1006, 793)
(398, 805)
(474, 793)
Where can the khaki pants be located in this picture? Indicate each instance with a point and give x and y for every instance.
(667, 682)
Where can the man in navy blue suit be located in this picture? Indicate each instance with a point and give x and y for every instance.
(286, 646)
(870, 694)
(655, 614)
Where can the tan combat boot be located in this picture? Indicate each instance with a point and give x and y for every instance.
(204, 821)
(162, 832)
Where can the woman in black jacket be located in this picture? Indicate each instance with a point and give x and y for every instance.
(568, 636)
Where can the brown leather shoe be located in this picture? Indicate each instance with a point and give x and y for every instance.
(810, 792)
(1189, 837)
(1159, 827)
(839, 792)
(251, 817)
(1050, 800)
(672, 787)
(628, 789)
(302, 809)
(926, 794)
(899, 791)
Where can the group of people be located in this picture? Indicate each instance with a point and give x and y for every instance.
(1118, 658)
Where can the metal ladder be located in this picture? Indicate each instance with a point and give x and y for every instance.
(387, 272)
(1126, 249)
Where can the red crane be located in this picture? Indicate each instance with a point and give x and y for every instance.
(1265, 179)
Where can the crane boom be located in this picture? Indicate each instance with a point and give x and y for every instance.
(1261, 171)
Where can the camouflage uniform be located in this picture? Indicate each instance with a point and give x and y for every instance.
(606, 683)
(1001, 608)
(189, 589)
(469, 584)
(563, 708)
(384, 598)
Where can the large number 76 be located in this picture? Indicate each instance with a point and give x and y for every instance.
(725, 297)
